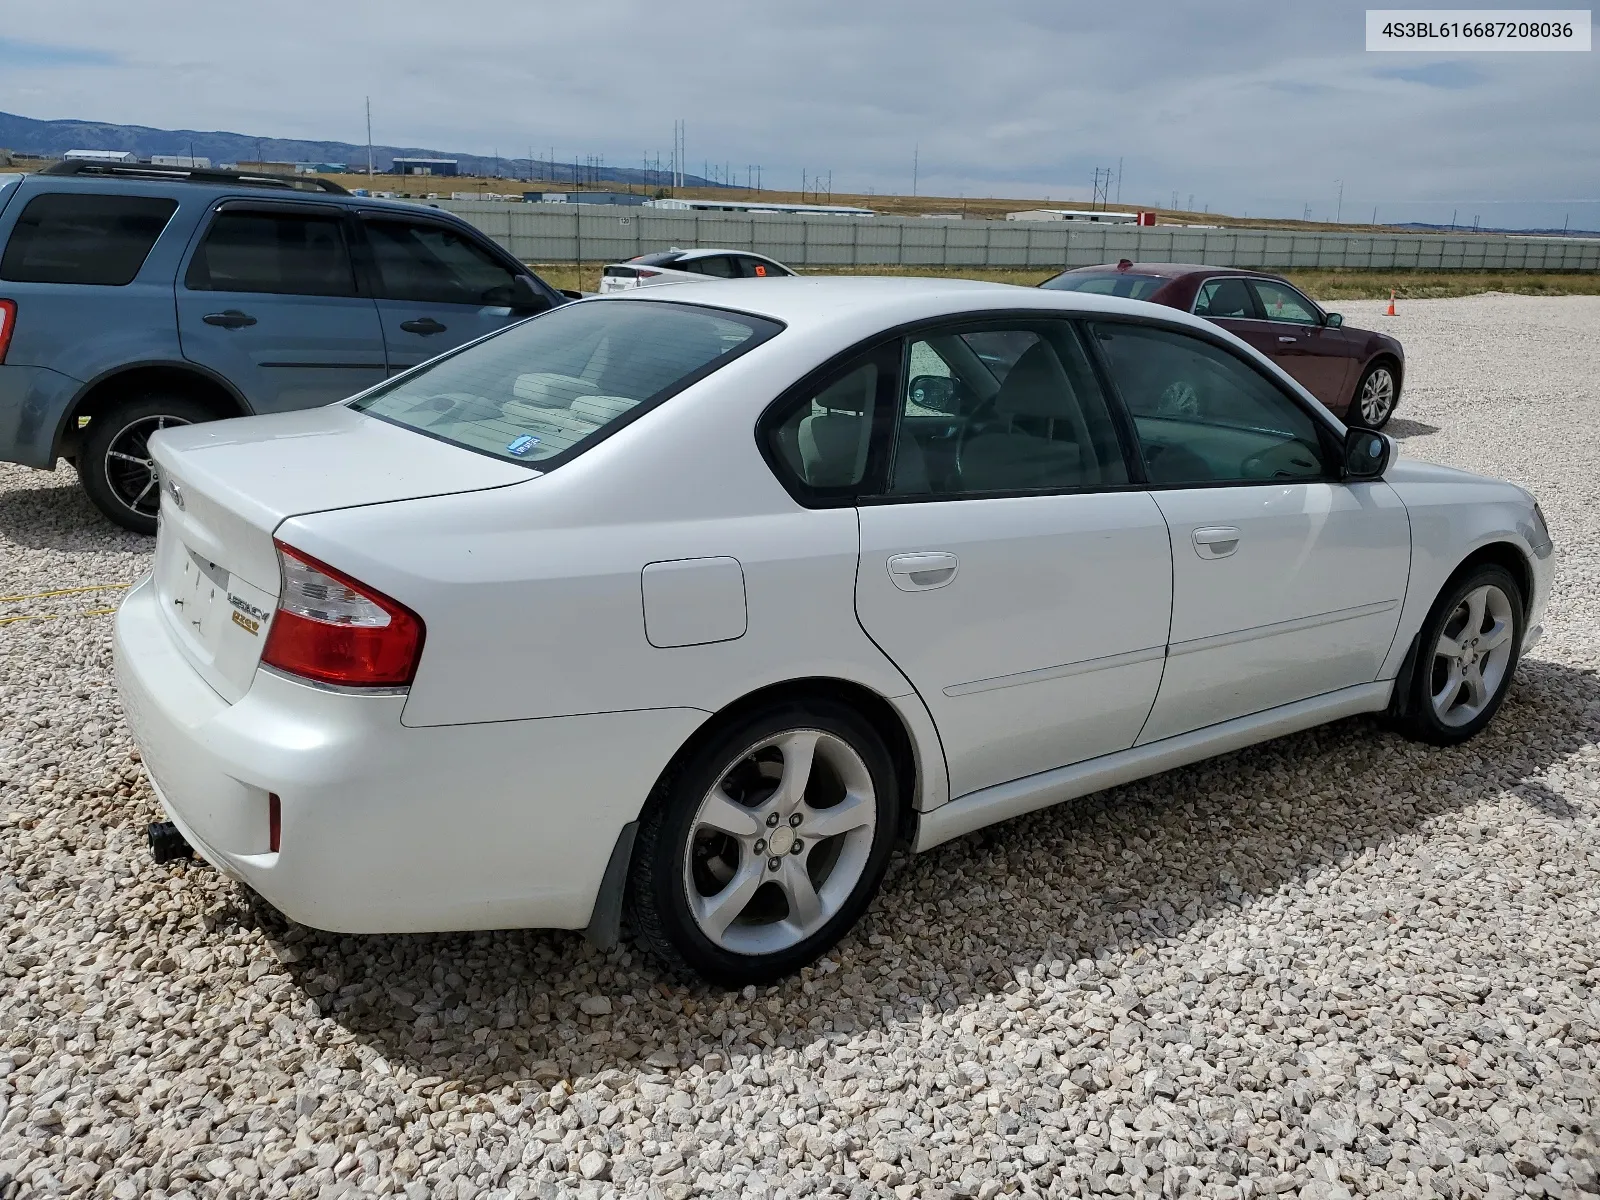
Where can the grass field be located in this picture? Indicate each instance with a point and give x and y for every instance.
(1323, 285)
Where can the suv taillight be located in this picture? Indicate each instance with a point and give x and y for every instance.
(8, 319)
(332, 629)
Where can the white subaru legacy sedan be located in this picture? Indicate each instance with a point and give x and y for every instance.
(678, 613)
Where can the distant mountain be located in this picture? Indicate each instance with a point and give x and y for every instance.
(54, 138)
(1426, 228)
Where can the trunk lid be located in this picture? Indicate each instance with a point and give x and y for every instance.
(226, 486)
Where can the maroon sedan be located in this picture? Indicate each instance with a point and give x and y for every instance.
(1356, 373)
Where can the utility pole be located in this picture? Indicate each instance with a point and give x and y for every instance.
(914, 153)
(830, 186)
(1338, 210)
(369, 137)
(1119, 181)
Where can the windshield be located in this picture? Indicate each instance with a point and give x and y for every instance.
(553, 385)
(1110, 283)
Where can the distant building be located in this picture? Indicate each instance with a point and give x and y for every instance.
(427, 166)
(1084, 215)
(583, 198)
(319, 168)
(766, 206)
(194, 163)
(105, 156)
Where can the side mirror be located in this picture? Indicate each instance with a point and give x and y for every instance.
(572, 293)
(526, 297)
(1333, 320)
(1366, 454)
(935, 393)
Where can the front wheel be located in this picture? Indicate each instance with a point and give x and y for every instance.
(1375, 398)
(1466, 656)
(763, 850)
(114, 464)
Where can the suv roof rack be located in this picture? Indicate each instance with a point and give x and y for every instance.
(299, 183)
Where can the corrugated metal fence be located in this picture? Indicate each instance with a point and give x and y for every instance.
(607, 233)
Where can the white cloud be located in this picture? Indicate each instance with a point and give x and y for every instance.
(1247, 106)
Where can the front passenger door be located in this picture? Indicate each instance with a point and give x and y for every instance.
(436, 286)
(1286, 581)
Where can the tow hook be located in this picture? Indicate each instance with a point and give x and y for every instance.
(166, 843)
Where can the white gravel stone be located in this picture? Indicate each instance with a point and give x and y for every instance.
(1337, 965)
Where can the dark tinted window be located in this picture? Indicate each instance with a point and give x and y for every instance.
(718, 265)
(1020, 411)
(1202, 415)
(560, 381)
(1225, 298)
(285, 253)
(1106, 283)
(758, 268)
(69, 238)
(661, 258)
(426, 262)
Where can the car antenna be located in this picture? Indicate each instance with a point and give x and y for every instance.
(1124, 264)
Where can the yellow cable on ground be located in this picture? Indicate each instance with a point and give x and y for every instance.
(30, 617)
(77, 591)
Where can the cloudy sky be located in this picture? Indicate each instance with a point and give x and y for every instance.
(1257, 108)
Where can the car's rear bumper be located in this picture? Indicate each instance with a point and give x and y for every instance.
(32, 403)
(387, 829)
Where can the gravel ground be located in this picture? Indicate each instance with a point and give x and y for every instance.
(1336, 965)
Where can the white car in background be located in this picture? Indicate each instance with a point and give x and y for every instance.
(692, 604)
(688, 266)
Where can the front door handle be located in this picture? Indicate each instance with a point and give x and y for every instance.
(922, 572)
(1217, 541)
(1283, 338)
(423, 325)
(232, 319)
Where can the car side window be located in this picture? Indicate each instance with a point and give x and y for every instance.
(1002, 408)
(1202, 415)
(822, 442)
(71, 237)
(277, 252)
(1279, 302)
(718, 265)
(1225, 298)
(429, 263)
(755, 268)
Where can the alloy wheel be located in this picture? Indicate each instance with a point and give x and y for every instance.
(129, 469)
(1472, 656)
(780, 842)
(1377, 397)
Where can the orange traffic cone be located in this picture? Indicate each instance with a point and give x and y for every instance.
(1389, 312)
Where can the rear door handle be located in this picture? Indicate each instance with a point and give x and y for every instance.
(922, 572)
(231, 319)
(1282, 338)
(424, 326)
(1217, 541)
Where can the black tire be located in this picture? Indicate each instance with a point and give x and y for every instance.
(1355, 416)
(1414, 713)
(658, 903)
(112, 482)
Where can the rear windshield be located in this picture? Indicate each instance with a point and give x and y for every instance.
(554, 385)
(1118, 283)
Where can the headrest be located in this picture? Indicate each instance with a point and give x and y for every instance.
(1036, 386)
(549, 390)
(853, 393)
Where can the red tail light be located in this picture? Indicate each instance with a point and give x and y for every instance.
(8, 319)
(646, 273)
(332, 629)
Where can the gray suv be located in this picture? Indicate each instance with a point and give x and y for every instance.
(135, 297)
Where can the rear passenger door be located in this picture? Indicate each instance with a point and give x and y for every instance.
(269, 300)
(1006, 566)
(437, 287)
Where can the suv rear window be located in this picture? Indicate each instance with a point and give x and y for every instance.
(554, 385)
(75, 237)
(1120, 283)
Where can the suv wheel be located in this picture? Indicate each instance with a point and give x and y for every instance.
(766, 847)
(114, 463)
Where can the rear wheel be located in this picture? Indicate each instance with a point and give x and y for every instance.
(766, 847)
(1375, 398)
(114, 463)
(1466, 657)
